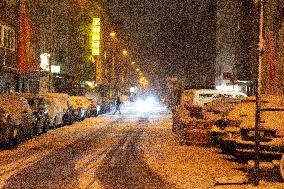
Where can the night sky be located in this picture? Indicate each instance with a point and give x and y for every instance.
(163, 34)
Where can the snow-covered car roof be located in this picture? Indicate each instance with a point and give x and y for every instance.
(27, 95)
(79, 101)
(62, 98)
(55, 95)
(54, 107)
(14, 105)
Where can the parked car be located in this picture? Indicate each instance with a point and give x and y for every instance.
(17, 120)
(93, 109)
(196, 112)
(201, 97)
(105, 105)
(63, 100)
(39, 107)
(55, 111)
(79, 106)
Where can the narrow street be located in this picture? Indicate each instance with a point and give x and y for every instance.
(132, 150)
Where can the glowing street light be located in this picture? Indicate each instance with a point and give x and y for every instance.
(137, 69)
(112, 34)
(133, 63)
(124, 52)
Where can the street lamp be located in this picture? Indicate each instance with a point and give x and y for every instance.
(133, 63)
(124, 52)
(112, 34)
(137, 69)
(113, 79)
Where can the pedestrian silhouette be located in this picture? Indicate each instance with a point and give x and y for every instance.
(117, 105)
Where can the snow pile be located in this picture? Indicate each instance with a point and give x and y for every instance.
(245, 112)
(185, 166)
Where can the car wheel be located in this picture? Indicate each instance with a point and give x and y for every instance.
(45, 126)
(282, 167)
(13, 140)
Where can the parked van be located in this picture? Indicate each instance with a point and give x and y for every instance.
(201, 97)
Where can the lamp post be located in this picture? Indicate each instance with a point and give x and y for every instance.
(113, 78)
(258, 95)
(50, 47)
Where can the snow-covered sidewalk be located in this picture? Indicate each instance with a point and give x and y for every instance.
(191, 167)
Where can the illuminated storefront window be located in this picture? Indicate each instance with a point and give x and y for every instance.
(96, 36)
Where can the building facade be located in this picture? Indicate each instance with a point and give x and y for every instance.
(9, 27)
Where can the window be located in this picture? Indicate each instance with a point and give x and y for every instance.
(7, 37)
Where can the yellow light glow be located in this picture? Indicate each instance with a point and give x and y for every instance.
(91, 84)
(124, 52)
(96, 44)
(133, 63)
(96, 37)
(137, 69)
(112, 34)
(95, 52)
(96, 29)
(96, 21)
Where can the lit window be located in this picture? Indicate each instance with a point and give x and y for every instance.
(96, 21)
(7, 38)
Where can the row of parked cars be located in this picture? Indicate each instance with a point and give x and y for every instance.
(24, 115)
(229, 122)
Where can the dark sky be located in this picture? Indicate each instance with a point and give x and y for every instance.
(159, 31)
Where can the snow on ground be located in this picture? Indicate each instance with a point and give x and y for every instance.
(190, 167)
(34, 150)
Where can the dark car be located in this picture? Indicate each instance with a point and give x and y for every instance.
(39, 107)
(105, 105)
(79, 106)
(17, 120)
(93, 108)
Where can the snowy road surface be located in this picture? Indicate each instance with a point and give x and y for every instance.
(132, 150)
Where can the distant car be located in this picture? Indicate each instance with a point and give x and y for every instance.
(93, 108)
(39, 107)
(105, 105)
(17, 120)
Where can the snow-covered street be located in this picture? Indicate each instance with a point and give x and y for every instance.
(132, 150)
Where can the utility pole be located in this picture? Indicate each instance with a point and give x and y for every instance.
(258, 95)
(50, 47)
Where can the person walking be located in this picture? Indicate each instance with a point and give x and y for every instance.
(117, 105)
